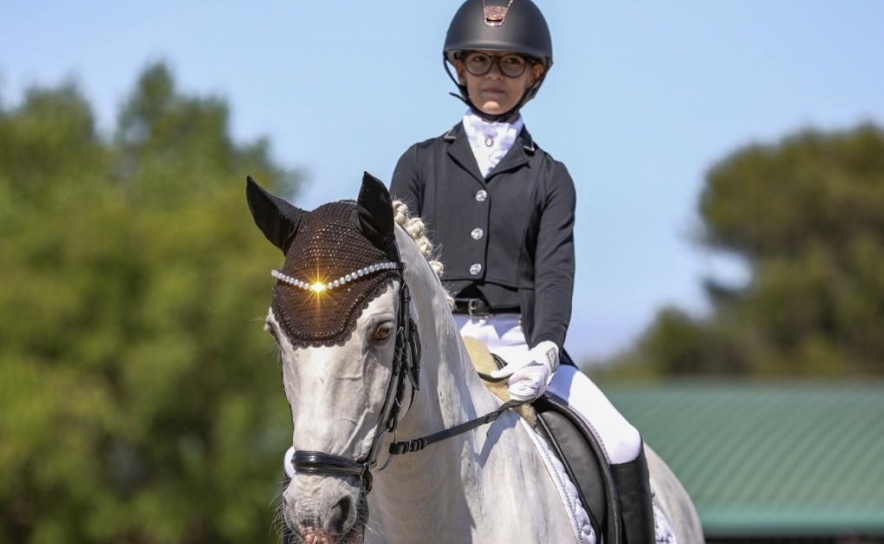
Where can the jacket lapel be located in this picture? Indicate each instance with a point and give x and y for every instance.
(459, 150)
(517, 156)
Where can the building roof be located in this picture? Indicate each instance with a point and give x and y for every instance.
(770, 459)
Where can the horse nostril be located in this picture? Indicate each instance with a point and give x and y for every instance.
(339, 514)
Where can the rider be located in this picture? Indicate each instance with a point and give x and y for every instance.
(502, 211)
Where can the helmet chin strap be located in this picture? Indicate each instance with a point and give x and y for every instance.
(506, 117)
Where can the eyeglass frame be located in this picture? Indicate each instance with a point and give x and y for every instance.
(496, 59)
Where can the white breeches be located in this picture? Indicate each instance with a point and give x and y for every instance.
(503, 335)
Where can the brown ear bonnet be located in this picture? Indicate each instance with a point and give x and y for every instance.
(332, 272)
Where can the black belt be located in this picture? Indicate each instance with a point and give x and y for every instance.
(478, 307)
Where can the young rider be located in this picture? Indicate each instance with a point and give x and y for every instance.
(502, 211)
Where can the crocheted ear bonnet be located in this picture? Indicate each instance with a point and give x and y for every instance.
(332, 272)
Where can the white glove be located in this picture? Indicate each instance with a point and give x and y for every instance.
(529, 375)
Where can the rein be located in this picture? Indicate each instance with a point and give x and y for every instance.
(312, 462)
(409, 446)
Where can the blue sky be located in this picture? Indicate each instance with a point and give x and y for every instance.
(644, 97)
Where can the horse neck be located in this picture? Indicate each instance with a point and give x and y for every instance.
(450, 393)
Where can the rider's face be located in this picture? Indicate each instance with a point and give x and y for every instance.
(494, 92)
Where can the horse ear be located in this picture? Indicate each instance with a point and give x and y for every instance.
(276, 218)
(376, 212)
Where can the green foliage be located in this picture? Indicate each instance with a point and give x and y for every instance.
(807, 215)
(140, 400)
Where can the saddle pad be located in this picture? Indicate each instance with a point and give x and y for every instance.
(584, 462)
(579, 518)
(485, 363)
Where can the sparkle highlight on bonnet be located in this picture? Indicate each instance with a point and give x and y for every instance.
(320, 287)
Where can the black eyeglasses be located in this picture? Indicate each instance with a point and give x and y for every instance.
(511, 65)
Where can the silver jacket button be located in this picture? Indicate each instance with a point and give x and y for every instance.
(475, 269)
(477, 234)
(481, 195)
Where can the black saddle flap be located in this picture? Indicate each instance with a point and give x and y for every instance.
(584, 460)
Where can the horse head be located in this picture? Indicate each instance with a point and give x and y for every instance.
(342, 318)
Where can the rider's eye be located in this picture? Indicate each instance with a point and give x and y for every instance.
(477, 59)
(513, 60)
(382, 332)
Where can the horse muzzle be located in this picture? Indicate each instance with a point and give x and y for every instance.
(325, 509)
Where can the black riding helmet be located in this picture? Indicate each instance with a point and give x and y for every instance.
(515, 26)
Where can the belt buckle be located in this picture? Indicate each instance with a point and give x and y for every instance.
(476, 307)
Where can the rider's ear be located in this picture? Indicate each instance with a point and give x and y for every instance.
(376, 212)
(276, 218)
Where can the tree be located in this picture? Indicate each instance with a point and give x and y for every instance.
(140, 400)
(807, 216)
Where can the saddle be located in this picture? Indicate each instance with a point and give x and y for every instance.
(570, 440)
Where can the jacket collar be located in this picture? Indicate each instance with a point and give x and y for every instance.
(459, 150)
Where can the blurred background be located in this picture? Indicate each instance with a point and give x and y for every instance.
(729, 161)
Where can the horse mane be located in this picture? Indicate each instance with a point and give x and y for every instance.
(477, 351)
(417, 230)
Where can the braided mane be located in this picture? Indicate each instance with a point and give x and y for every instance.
(416, 228)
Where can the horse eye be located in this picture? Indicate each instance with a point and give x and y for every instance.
(383, 332)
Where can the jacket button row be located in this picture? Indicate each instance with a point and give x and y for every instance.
(481, 195)
(475, 269)
(477, 234)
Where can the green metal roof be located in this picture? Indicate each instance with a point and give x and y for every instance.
(770, 459)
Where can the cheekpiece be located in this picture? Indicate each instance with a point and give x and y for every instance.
(331, 273)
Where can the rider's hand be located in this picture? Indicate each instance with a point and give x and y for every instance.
(528, 375)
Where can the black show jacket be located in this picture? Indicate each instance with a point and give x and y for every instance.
(511, 235)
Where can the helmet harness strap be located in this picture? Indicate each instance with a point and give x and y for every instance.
(507, 116)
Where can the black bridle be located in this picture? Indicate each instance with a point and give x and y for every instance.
(406, 367)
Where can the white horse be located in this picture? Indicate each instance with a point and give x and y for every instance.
(487, 485)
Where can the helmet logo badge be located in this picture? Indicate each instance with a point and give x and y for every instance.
(495, 15)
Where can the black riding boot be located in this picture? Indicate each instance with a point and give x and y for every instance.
(634, 489)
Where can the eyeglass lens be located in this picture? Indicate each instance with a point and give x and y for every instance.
(480, 64)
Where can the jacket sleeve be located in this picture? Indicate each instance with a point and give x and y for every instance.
(554, 259)
(407, 184)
